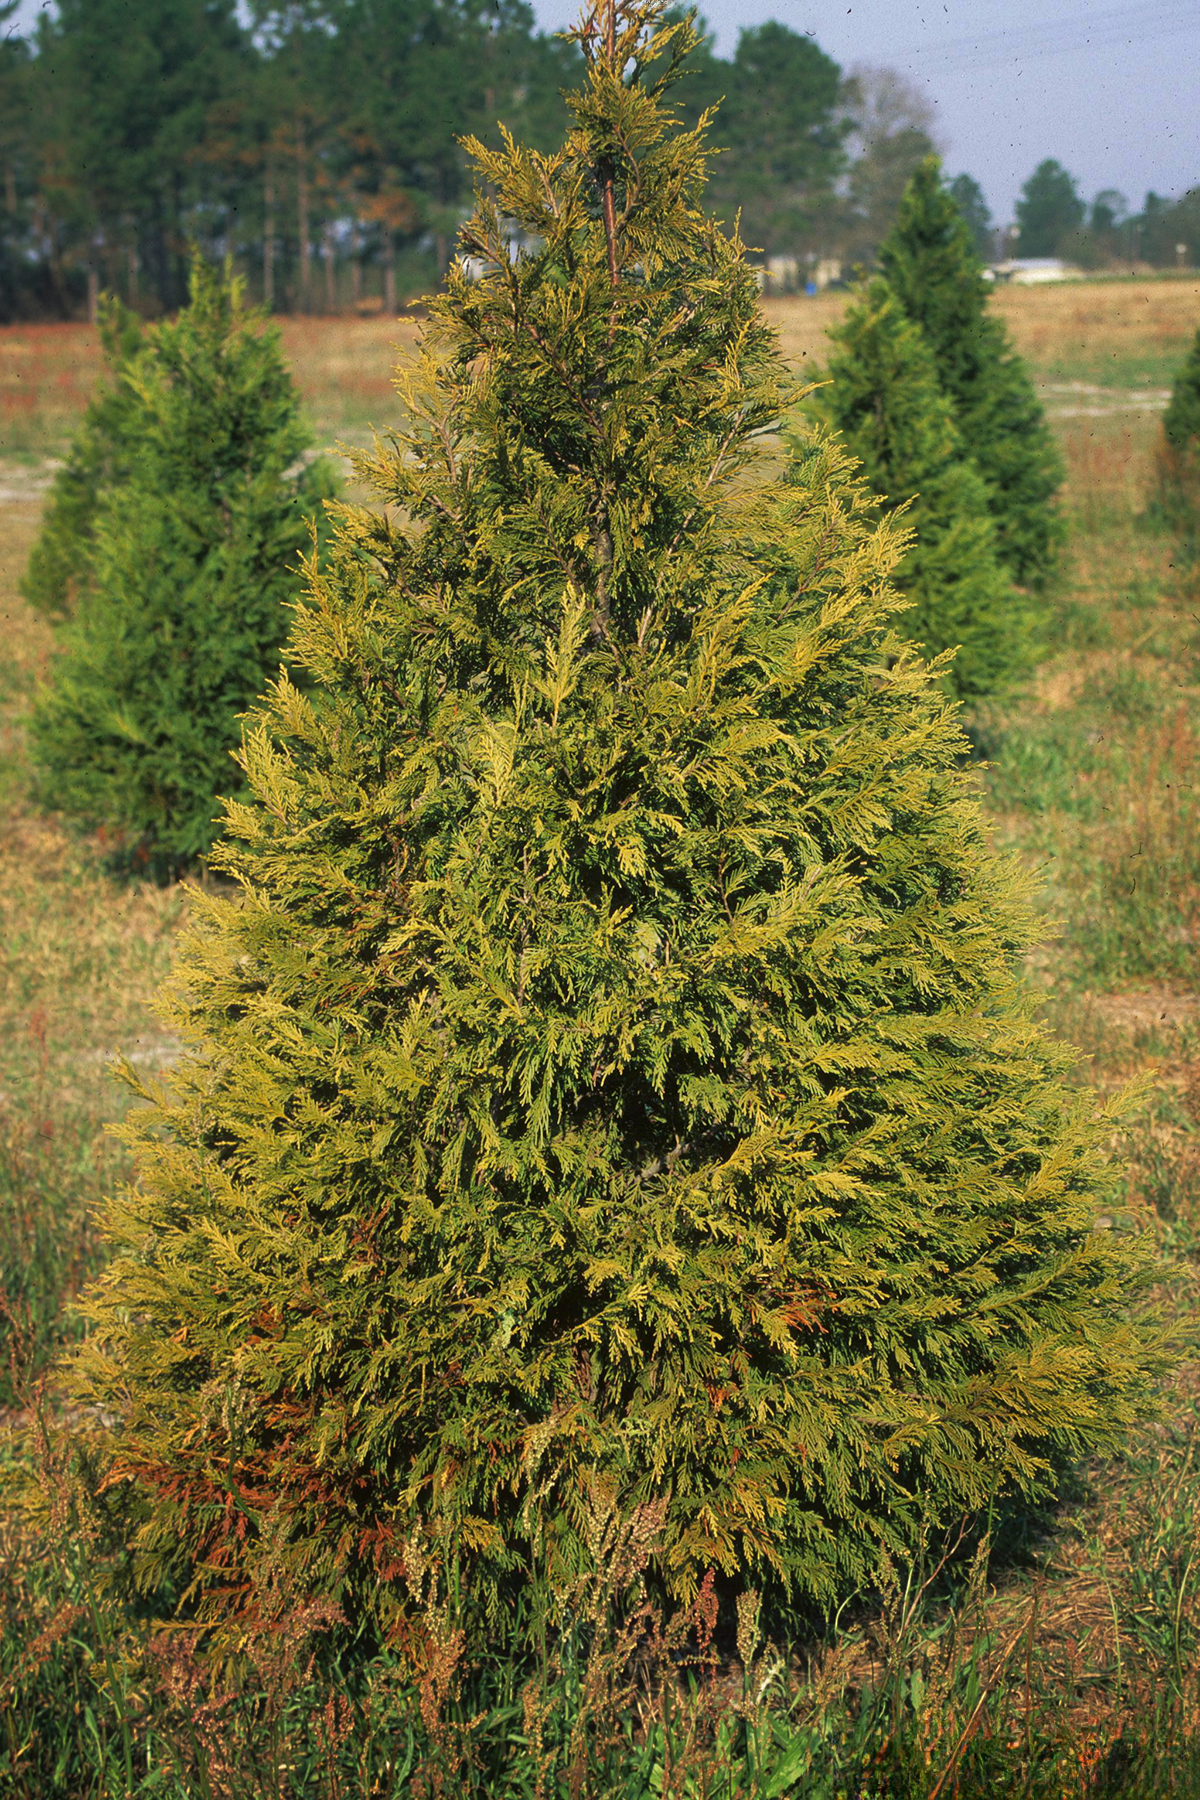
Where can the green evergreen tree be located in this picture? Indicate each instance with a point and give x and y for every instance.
(1177, 473)
(933, 268)
(615, 1075)
(195, 557)
(884, 398)
(100, 458)
(968, 196)
(1049, 209)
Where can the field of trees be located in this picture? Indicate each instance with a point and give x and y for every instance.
(1059, 1662)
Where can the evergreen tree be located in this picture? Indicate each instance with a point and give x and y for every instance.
(615, 1075)
(1049, 210)
(968, 196)
(195, 557)
(933, 269)
(884, 398)
(133, 86)
(782, 129)
(100, 458)
(1177, 485)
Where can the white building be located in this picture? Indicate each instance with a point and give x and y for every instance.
(1026, 270)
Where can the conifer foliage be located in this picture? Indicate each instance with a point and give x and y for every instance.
(932, 266)
(189, 522)
(1177, 488)
(613, 1077)
(99, 459)
(883, 397)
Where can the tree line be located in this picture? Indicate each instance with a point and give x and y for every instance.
(317, 143)
(1054, 219)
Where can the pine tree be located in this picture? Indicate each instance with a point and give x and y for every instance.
(194, 560)
(99, 459)
(883, 397)
(1176, 498)
(932, 267)
(614, 1076)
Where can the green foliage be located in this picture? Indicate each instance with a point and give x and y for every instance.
(100, 459)
(935, 272)
(1176, 499)
(134, 92)
(782, 127)
(194, 562)
(612, 1084)
(1049, 209)
(883, 397)
(968, 196)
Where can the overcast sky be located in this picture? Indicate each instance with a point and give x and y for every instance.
(1112, 92)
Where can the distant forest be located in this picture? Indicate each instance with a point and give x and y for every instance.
(316, 143)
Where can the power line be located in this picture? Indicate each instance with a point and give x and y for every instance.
(1103, 30)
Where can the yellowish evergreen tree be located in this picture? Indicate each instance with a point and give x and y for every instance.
(613, 1071)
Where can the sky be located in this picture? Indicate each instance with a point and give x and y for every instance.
(1113, 92)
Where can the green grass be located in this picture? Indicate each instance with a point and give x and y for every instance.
(1096, 772)
(1060, 1659)
(1124, 335)
(80, 958)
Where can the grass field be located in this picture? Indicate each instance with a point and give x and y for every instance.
(1068, 1664)
(1123, 334)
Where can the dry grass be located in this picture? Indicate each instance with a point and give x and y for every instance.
(1122, 334)
(46, 376)
(344, 367)
(1126, 333)
(1116, 334)
(80, 960)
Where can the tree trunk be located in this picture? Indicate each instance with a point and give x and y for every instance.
(389, 279)
(330, 283)
(302, 215)
(269, 239)
(356, 267)
(131, 265)
(93, 286)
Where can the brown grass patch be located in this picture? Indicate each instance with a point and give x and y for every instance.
(1121, 333)
(1118, 332)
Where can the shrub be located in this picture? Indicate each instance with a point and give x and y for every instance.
(883, 397)
(932, 267)
(194, 559)
(1177, 486)
(100, 459)
(613, 1078)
